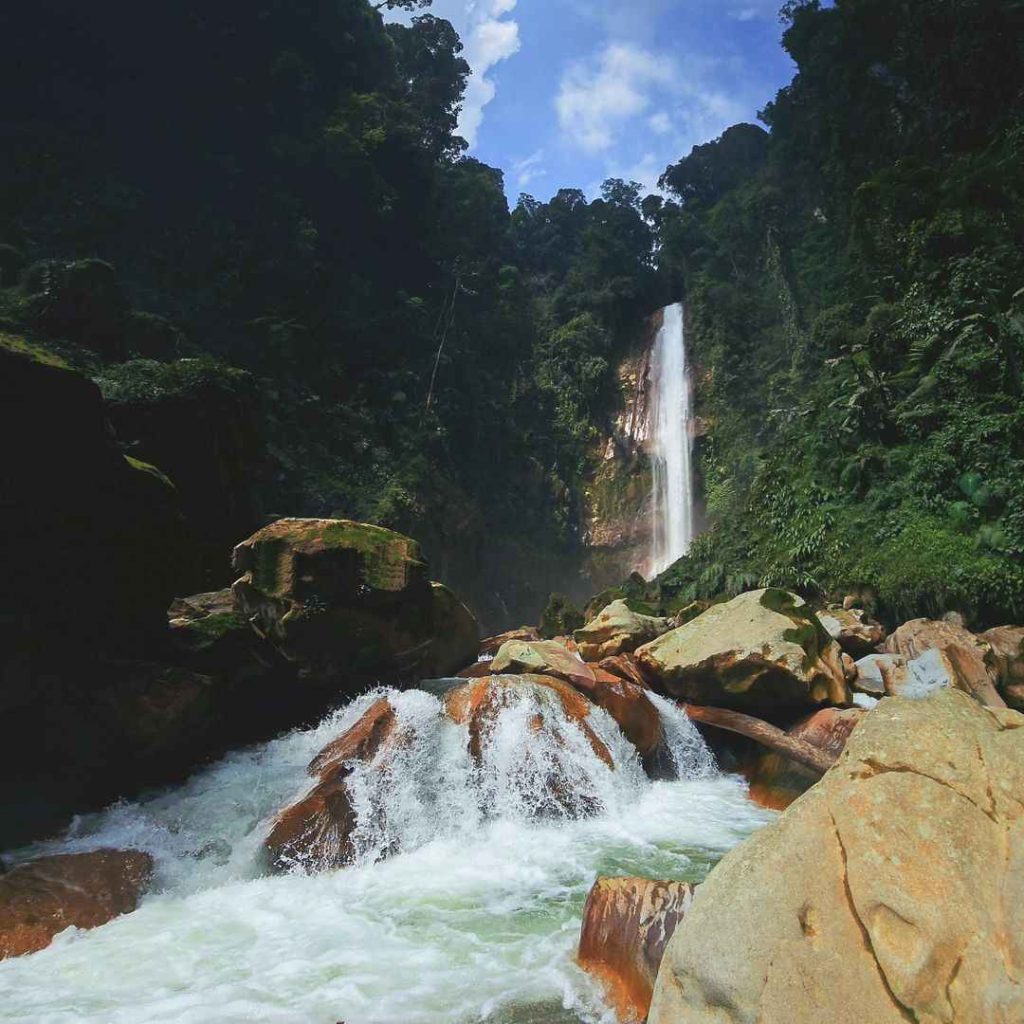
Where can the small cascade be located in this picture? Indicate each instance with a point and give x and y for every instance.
(671, 443)
(474, 857)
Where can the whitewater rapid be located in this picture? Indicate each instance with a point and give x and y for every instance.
(476, 919)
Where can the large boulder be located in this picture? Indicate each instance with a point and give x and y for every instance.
(627, 923)
(948, 649)
(763, 652)
(541, 658)
(776, 781)
(890, 892)
(350, 603)
(1006, 644)
(492, 644)
(852, 629)
(80, 890)
(617, 629)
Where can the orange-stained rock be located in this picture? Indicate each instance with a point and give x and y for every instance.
(478, 703)
(316, 831)
(492, 643)
(81, 890)
(627, 923)
(625, 666)
(967, 657)
(361, 742)
(541, 657)
(568, 643)
(631, 708)
(776, 781)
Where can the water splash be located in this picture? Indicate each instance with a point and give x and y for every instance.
(672, 444)
(476, 918)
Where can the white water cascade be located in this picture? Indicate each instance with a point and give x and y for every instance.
(671, 443)
(473, 917)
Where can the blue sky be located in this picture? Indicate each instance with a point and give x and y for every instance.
(570, 92)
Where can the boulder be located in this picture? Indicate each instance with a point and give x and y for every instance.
(1006, 644)
(763, 652)
(80, 890)
(315, 833)
(635, 714)
(559, 618)
(490, 646)
(871, 672)
(890, 892)
(618, 630)
(627, 923)
(350, 604)
(555, 709)
(625, 667)
(852, 629)
(776, 781)
(542, 658)
(966, 657)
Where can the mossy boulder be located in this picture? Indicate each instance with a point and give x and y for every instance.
(350, 604)
(617, 629)
(764, 652)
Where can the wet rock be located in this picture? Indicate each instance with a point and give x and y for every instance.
(852, 629)
(478, 670)
(618, 630)
(627, 923)
(776, 781)
(82, 890)
(315, 833)
(764, 652)
(543, 658)
(625, 667)
(350, 604)
(635, 714)
(890, 892)
(950, 650)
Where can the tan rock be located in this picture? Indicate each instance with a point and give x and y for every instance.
(852, 629)
(890, 892)
(81, 890)
(490, 646)
(873, 670)
(1007, 662)
(965, 655)
(542, 658)
(618, 630)
(627, 923)
(760, 652)
(776, 781)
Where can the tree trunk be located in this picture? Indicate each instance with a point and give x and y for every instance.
(767, 735)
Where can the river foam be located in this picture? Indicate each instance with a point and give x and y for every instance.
(477, 919)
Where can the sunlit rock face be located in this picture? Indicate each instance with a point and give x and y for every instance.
(890, 892)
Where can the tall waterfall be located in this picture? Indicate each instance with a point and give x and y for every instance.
(672, 444)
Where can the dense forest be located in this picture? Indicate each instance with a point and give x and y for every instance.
(256, 227)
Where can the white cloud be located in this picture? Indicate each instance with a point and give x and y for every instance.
(488, 36)
(529, 169)
(660, 123)
(598, 97)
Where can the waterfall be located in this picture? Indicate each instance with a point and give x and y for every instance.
(671, 443)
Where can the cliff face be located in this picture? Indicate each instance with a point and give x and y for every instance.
(617, 498)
